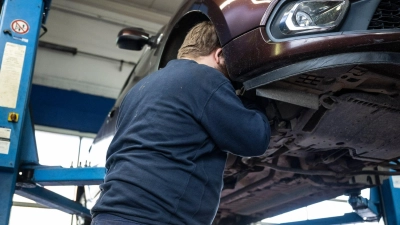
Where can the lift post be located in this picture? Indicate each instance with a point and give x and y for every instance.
(20, 171)
(390, 192)
(20, 27)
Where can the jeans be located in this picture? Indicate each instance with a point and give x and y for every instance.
(108, 219)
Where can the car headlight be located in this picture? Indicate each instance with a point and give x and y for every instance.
(306, 16)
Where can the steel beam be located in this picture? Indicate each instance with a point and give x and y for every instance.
(53, 200)
(390, 194)
(55, 176)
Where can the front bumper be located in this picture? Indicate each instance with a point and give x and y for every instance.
(256, 59)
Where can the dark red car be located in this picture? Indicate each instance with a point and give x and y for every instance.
(328, 74)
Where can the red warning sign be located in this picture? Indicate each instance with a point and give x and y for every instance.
(20, 26)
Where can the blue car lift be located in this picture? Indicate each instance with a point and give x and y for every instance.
(384, 202)
(20, 171)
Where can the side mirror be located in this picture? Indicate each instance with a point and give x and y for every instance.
(133, 38)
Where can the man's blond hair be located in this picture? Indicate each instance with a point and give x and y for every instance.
(201, 40)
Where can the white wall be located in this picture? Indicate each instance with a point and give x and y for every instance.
(80, 73)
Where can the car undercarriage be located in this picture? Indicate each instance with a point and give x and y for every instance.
(331, 128)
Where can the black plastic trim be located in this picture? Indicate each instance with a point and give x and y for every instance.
(326, 62)
(360, 14)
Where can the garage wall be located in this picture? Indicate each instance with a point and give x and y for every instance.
(82, 87)
(70, 110)
(83, 73)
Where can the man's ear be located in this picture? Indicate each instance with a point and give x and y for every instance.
(218, 55)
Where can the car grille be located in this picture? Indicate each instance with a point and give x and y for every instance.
(387, 15)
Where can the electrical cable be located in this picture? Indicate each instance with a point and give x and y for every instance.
(44, 31)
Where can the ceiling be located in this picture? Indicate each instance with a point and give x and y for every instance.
(140, 13)
(159, 6)
(91, 26)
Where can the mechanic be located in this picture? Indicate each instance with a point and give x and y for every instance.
(165, 164)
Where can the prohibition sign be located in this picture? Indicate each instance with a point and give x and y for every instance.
(20, 26)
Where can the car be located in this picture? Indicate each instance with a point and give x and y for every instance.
(327, 73)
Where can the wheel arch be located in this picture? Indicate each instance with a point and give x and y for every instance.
(178, 34)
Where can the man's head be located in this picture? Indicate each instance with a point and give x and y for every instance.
(202, 45)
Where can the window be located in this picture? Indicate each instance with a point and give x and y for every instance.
(54, 149)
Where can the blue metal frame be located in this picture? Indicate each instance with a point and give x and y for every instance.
(29, 155)
(53, 176)
(32, 12)
(368, 209)
(53, 200)
(22, 153)
(384, 201)
(391, 202)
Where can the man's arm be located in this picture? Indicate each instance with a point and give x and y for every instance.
(233, 127)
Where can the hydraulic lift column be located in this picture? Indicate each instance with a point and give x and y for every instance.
(20, 171)
(20, 26)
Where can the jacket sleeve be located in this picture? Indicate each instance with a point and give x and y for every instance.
(233, 127)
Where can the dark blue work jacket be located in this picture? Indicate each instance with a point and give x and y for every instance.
(175, 127)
